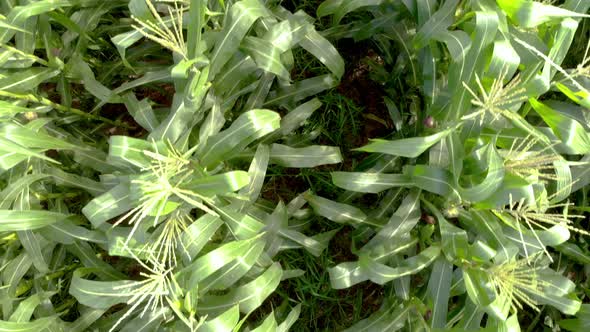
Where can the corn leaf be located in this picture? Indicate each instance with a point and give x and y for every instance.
(11, 220)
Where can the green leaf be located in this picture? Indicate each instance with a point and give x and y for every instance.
(309, 156)
(458, 43)
(89, 259)
(580, 97)
(123, 41)
(243, 131)
(97, 160)
(33, 139)
(486, 224)
(580, 323)
(101, 294)
(568, 130)
(197, 234)
(345, 275)
(11, 192)
(564, 182)
(568, 305)
(369, 182)
(492, 181)
(381, 273)
(26, 80)
(463, 72)
(390, 317)
(258, 96)
(342, 7)
(32, 243)
(321, 48)
(242, 226)
(248, 297)
(147, 322)
(108, 205)
(19, 14)
(8, 110)
(314, 245)
(439, 288)
(186, 108)
(433, 179)
(471, 318)
(563, 40)
(228, 275)
(25, 309)
(478, 288)
(149, 77)
(141, 111)
(266, 56)
(528, 242)
(505, 60)
(512, 187)
(280, 236)
(44, 323)
(218, 184)
(131, 150)
(67, 232)
(290, 320)
(11, 221)
(211, 125)
(268, 325)
(62, 178)
(84, 73)
(12, 153)
(337, 212)
(574, 252)
(12, 275)
(328, 7)
(224, 322)
(530, 14)
(437, 23)
(289, 94)
(400, 223)
(581, 174)
(407, 147)
(257, 172)
(209, 263)
(235, 72)
(241, 17)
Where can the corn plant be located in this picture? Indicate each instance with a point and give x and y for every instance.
(136, 137)
(474, 212)
(151, 219)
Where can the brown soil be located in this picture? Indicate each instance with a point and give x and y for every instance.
(119, 111)
(160, 94)
(339, 249)
(358, 86)
(284, 187)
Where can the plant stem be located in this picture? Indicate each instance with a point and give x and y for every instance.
(61, 108)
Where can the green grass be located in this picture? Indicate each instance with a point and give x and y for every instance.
(323, 308)
(339, 122)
